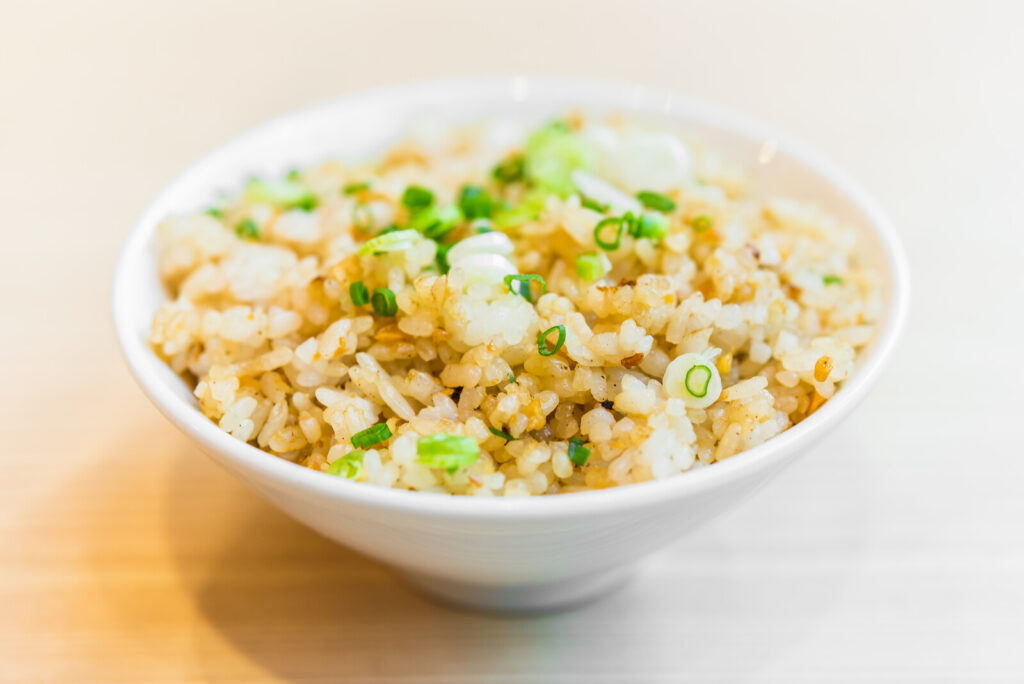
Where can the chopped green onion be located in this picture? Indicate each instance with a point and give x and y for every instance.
(524, 286)
(620, 223)
(442, 257)
(353, 188)
(504, 435)
(542, 341)
(509, 170)
(248, 230)
(694, 379)
(383, 302)
(475, 202)
(697, 380)
(702, 223)
(551, 154)
(484, 227)
(416, 197)
(215, 212)
(392, 241)
(451, 452)
(593, 205)
(528, 209)
(511, 378)
(655, 200)
(435, 223)
(832, 280)
(654, 226)
(358, 292)
(286, 194)
(592, 265)
(375, 434)
(348, 466)
(578, 453)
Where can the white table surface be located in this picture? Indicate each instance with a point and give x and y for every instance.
(894, 552)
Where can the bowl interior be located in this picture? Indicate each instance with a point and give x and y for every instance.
(365, 124)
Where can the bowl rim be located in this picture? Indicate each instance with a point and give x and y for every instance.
(578, 504)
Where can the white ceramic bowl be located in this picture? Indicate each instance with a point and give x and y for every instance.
(515, 554)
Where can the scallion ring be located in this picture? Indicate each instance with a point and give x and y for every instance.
(248, 230)
(392, 241)
(375, 434)
(578, 453)
(542, 341)
(416, 197)
(620, 223)
(655, 200)
(697, 380)
(358, 292)
(694, 379)
(451, 452)
(353, 188)
(383, 301)
(702, 223)
(524, 286)
(592, 265)
(349, 466)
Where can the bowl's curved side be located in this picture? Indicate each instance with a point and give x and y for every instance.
(495, 541)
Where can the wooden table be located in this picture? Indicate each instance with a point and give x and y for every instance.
(895, 552)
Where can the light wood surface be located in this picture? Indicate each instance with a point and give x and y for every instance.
(895, 552)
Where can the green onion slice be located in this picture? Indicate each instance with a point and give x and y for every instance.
(702, 223)
(542, 341)
(451, 452)
(655, 200)
(375, 434)
(358, 292)
(832, 280)
(592, 266)
(620, 223)
(248, 230)
(435, 223)
(500, 433)
(694, 379)
(475, 202)
(348, 466)
(524, 286)
(416, 197)
(215, 212)
(578, 453)
(509, 170)
(697, 380)
(653, 226)
(441, 258)
(285, 194)
(353, 188)
(392, 241)
(383, 302)
(593, 205)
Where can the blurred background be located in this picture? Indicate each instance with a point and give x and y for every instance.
(894, 552)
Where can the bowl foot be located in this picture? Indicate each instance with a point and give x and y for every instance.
(537, 597)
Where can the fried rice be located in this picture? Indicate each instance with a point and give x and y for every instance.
(492, 311)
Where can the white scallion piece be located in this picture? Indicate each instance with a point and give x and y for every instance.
(484, 243)
(694, 379)
(603, 192)
(484, 268)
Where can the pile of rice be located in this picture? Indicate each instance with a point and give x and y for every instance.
(261, 318)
